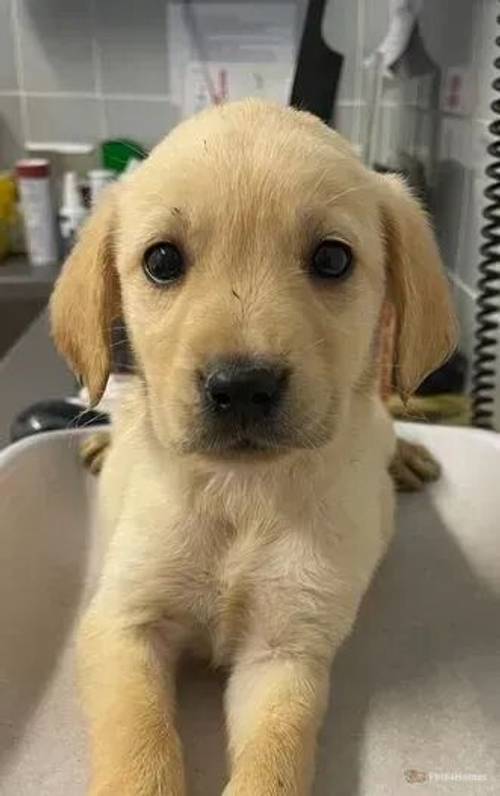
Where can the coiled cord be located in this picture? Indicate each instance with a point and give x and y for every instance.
(487, 318)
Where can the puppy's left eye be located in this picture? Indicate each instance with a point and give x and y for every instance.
(163, 263)
(332, 260)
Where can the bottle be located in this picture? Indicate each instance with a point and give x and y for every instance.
(33, 179)
(72, 212)
(98, 180)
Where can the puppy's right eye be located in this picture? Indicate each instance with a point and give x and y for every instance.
(163, 263)
(332, 260)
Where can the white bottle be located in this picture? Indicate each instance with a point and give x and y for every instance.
(33, 179)
(72, 212)
(98, 180)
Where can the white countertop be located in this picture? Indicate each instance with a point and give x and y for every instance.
(21, 280)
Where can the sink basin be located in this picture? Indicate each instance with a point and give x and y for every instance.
(415, 701)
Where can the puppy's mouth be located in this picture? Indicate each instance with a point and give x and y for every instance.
(243, 445)
(255, 427)
(262, 441)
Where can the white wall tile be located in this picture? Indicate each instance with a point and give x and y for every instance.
(11, 132)
(132, 44)
(68, 119)
(466, 310)
(144, 121)
(56, 45)
(474, 202)
(343, 120)
(350, 121)
(486, 51)
(8, 72)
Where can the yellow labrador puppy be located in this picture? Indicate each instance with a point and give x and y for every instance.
(246, 493)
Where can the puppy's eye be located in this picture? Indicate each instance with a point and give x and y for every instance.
(332, 260)
(163, 263)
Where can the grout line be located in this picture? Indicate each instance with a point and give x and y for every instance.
(136, 97)
(354, 103)
(358, 74)
(165, 33)
(98, 94)
(87, 95)
(97, 69)
(471, 292)
(23, 100)
(345, 103)
(61, 94)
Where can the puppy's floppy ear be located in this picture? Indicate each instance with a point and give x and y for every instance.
(426, 330)
(86, 300)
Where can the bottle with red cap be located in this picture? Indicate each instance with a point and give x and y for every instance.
(33, 177)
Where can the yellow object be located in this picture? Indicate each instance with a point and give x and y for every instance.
(10, 221)
(446, 409)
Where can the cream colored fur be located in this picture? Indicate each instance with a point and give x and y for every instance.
(258, 562)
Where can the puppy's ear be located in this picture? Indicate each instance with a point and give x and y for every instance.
(426, 330)
(86, 300)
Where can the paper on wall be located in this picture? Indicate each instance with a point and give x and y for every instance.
(233, 81)
(232, 50)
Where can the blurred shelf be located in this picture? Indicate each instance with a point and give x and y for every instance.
(22, 281)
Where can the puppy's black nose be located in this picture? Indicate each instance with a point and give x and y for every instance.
(244, 390)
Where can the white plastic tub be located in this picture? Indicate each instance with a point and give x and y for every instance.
(416, 687)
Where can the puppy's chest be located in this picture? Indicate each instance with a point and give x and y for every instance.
(213, 592)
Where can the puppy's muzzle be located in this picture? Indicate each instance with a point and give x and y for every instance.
(240, 394)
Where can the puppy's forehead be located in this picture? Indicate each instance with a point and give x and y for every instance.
(245, 156)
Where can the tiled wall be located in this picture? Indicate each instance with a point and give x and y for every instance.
(84, 70)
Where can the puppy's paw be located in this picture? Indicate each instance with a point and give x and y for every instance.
(93, 451)
(413, 467)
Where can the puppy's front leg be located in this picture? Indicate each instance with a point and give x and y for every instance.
(274, 709)
(128, 693)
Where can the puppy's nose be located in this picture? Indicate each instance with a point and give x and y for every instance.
(243, 390)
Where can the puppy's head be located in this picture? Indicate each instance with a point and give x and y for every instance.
(250, 257)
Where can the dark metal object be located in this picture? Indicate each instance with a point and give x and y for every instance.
(54, 416)
(318, 70)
